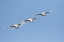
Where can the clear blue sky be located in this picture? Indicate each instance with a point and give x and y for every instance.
(48, 29)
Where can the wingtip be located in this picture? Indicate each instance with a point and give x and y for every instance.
(4, 27)
(32, 15)
(52, 11)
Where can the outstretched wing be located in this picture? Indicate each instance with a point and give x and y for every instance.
(23, 22)
(39, 14)
(19, 24)
(9, 26)
(27, 20)
(36, 14)
(35, 18)
(46, 12)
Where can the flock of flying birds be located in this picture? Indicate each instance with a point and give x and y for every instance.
(28, 20)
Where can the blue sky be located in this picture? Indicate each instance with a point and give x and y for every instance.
(47, 29)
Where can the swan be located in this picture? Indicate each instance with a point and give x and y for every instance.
(31, 19)
(16, 25)
(42, 13)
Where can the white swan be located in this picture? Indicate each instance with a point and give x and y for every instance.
(42, 13)
(16, 25)
(31, 19)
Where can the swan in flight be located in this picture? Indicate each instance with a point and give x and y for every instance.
(42, 13)
(31, 19)
(16, 25)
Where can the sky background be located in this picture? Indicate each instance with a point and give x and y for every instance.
(49, 28)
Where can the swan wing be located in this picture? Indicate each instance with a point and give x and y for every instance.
(9, 26)
(23, 22)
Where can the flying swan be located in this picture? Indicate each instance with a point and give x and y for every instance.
(42, 13)
(16, 25)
